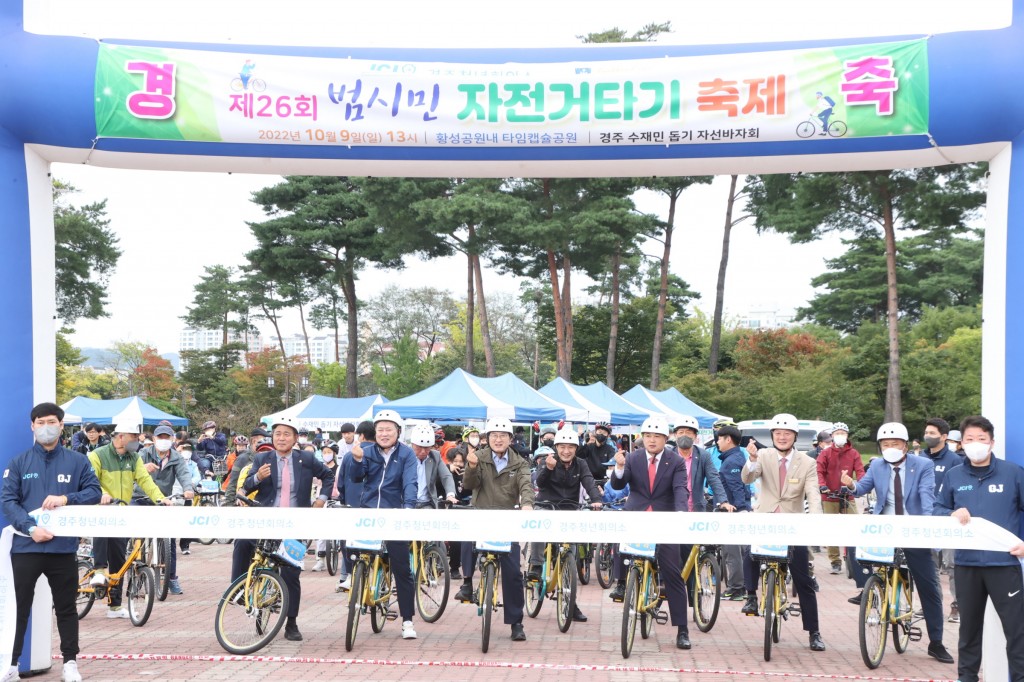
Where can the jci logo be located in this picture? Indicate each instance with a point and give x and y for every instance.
(704, 525)
(204, 521)
(876, 528)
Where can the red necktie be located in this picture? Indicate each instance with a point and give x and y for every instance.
(897, 491)
(782, 481)
(652, 469)
(286, 482)
(689, 487)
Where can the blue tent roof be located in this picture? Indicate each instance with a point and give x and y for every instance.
(327, 413)
(132, 410)
(671, 403)
(601, 403)
(464, 396)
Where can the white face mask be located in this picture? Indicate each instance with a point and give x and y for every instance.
(328, 456)
(163, 444)
(303, 440)
(977, 452)
(474, 441)
(839, 440)
(893, 455)
(47, 434)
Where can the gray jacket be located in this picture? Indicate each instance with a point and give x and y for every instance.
(437, 472)
(176, 469)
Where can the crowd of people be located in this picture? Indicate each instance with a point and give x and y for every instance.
(383, 464)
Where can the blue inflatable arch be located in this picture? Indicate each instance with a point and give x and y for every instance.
(633, 110)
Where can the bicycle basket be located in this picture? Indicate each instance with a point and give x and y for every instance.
(640, 549)
(773, 552)
(292, 552)
(495, 547)
(876, 555)
(364, 545)
(220, 467)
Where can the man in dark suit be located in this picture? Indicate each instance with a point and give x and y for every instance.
(657, 482)
(283, 478)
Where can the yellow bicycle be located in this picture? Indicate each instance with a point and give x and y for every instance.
(371, 588)
(887, 599)
(432, 576)
(774, 605)
(642, 598)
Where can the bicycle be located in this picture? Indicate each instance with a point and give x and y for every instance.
(371, 588)
(257, 599)
(433, 578)
(255, 84)
(208, 494)
(774, 604)
(887, 599)
(557, 579)
(642, 598)
(334, 547)
(805, 129)
(704, 563)
(156, 553)
(139, 580)
(604, 553)
(488, 560)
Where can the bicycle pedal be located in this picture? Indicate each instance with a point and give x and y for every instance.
(794, 609)
(391, 615)
(915, 634)
(660, 617)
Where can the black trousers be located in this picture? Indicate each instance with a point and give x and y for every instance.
(926, 584)
(975, 585)
(398, 554)
(512, 594)
(801, 572)
(241, 557)
(109, 553)
(61, 571)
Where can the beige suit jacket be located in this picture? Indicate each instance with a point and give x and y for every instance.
(801, 482)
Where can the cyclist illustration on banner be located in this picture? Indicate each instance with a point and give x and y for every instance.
(245, 79)
(823, 113)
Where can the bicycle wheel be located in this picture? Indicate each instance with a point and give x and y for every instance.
(603, 564)
(707, 592)
(806, 129)
(873, 622)
(333, 556)
(381, 599)
(646, 614)
(258, 84)
(207, 541)
(583, 563)
(565, 591)
(836, 128)
(236, 84)
(771, 613)
(355, 603)
(534, 596)
(630, 607)
(247, 622)
(140, 591)
(487, 606)
(86, 593)
(163, 567)
(902, 619)
(433, 583)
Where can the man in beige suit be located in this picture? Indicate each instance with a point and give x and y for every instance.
(788, 477)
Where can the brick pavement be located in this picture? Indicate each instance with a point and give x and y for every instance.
(183, 626)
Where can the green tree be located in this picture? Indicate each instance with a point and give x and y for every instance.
(202, 373)
(218, 303)
(68, 358)
(400, 372)
(85, 253)
(327, 378)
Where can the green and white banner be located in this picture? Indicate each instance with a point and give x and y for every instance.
(178, 94)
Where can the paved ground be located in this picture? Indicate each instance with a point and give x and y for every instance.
(179, 636)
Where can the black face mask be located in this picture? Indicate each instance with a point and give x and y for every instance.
(601, 438)
(548, 442)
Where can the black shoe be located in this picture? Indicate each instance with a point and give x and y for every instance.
(939, 653)
(455, 574)
(466, 594)
(518, 633)
(814, 584)
(750, 608)
(618, 592)
(577, 615)
(817, 644)
(682, 641)
(837, 568)
(534, 572)
(291, 633)
(855, 599)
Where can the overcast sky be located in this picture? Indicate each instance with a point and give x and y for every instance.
(164, 252)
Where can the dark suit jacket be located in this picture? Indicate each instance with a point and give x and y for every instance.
(670, 486)
(307, 467)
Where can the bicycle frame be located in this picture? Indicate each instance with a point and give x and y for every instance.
(551, 577)
(781, 569)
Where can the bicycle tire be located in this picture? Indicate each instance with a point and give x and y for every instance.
(583, 564)
(872, 622)
(707, 592)
(904, 611)
(805, 129)
(565, 590)
(837, 128)
(333, 557)
(140, 591)
(433, 584)
(487, 606)
(207, 541)
(355, 603)
(771, 586)
(259, 85)
(630, 608)
(163, 570)
(261, 613)
(647, 616)
(603, 564)
(379, 608)
(534, 590)
(86, 593)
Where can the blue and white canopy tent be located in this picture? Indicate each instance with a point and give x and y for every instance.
(601, 403)
(670, 403)
(132, 410)
(324, 412)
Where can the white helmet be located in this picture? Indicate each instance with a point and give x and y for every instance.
(284, 421)
(893, 430)
(840, 426)
(391, 416)
(422, 435)
(655, 424)
(688, 422)
(567, 436)
(127, 428)
(784, 421)
(498, 425)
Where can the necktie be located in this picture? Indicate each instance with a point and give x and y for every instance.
(285, 467)
(897, 491)
(689, 487)
(652, 469)
(782, 481)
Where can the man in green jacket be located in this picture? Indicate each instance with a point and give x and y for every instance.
(118, 468)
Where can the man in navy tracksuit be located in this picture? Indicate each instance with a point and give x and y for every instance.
(47, 476)
(993, 489)
(936, 430)
(732, 458)
(389, 472)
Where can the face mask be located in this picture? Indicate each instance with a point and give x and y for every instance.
(163, 445)
(303, 440)
(684, 442)
(892, 455)
(187, 454)
(328, 456)
(839, 440)
(474, 441)
(210, 432)
(601, 438)
(47, 434)
(932, 441)
(131, 446)
(976, 452)
(550, 442)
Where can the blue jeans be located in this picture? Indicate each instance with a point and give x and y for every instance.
(825, 116)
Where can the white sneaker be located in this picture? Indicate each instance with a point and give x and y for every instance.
(71, 673)
(99, 578)
(407, 630)
(120, 612)
(12, 675)
(345, 585)
(319, 566)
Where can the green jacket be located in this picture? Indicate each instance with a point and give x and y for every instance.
(118, 474)
(492, 490)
